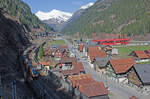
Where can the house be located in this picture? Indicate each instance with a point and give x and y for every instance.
(114, 51)
(133, 97)
(58, 54)
(80, 79)
(85, 87)
(148, 52)
(139, 75)
(63, 48)
(48, 52)
(95, 52)
(95, 90)
(81, 46)
(139, 56)
(76, 70)
(117, 69)
(100, 64)
(45, 64)
(107, 49)
(67, 62)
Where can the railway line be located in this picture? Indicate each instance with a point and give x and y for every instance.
(34, 80)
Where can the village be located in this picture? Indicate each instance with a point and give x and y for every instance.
(86, 69)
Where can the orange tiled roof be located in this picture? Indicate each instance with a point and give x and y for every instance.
(70, 72)
(122, 65)
(93, 89)
(81, 47)
(80, 80)
(95, 52)
(63, 47)
(78, 66)
(133, 97)
(87, 85)
(141, 54)
(48, 52)
(45, 63)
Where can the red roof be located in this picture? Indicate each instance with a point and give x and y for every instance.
(80, 80)
(45, 63)
(147, 52)
(63, 47)
(141, 54)
(81, 47)
(95, 52)
(133, 97)
(78, 66)
(122, 65)
(70, 72)
(48, 52)
(93, 89)
(68, 59)
(58, 54)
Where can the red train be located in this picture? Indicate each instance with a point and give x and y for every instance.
(113, 41)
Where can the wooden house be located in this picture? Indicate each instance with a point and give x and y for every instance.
(117, 69)
(95, 52)
(67, 62)
(100, 64)
(139, 75)
(139, 56)
(87, 88)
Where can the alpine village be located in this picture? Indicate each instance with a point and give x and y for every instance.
(100, 51)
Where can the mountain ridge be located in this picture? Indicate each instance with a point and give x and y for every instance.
(106, 16)
(57, 14)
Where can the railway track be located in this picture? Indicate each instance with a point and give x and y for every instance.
(39, 87)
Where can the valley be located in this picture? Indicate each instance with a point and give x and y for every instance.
(77, 49)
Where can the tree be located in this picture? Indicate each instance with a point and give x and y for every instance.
(41, 52)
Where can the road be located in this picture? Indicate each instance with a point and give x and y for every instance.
(122, 91)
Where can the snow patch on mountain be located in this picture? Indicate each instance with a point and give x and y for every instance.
(87, 6)
(54, 14)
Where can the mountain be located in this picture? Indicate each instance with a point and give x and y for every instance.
(23, 13)
(113, 16)
(58, 19)
(54, 14)
(77, 14)
(54, 18)
(87, 5)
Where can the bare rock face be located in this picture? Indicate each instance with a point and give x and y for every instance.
(12, 40)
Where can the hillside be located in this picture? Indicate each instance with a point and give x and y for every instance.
(22, 12)
(113, 16)
(12, 39)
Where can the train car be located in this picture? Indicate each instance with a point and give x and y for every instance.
(33, 72)
(27, 64)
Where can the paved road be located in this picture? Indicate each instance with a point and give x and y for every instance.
(122, 91)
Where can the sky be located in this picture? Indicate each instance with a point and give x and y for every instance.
(63, 5)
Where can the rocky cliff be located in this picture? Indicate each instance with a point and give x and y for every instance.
(12, 41)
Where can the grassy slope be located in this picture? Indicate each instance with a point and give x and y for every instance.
(125, 51)
(57, 42)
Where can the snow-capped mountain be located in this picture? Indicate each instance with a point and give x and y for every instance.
(58, 19)
(87, 6)
(77, 14)
(54, 14)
